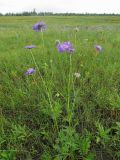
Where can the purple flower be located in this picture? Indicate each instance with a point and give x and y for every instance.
(30, 71)
(98, 48)
(40, 26)
(60, 47)
(30, 46)
(65, 47)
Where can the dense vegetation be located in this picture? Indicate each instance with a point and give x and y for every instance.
(53, 114)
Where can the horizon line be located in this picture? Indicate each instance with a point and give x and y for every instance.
(36, 12)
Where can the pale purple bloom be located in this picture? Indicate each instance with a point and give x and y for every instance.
(30, 71)
(30, 46)
(65, 47)
(61, 47)
(98, 48)
(39, 26)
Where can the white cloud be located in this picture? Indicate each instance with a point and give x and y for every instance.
(78, 6)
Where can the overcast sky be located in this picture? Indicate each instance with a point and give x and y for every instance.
(77, 6)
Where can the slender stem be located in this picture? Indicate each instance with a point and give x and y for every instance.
(43, 42)
(74, 96)
(34, 60)
(55, 120)
(1, 121)
(42, 79)
(46, 88)
(69, 81)
(75, 39)
(72, 75)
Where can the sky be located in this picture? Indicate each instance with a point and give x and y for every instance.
(61, 6)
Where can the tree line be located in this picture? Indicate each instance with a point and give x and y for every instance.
(34, 13)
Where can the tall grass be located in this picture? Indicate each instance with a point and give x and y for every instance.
(52, 114)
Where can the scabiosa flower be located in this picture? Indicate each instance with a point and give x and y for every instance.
(65, 47)
(39, 26)
(76, 29)
(77, 75)
(30, 71)
(57, 42)
(30, 46)
(60, 47)
(98, 48)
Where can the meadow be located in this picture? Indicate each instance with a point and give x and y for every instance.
(69, 108)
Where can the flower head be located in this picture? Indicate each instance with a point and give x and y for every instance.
(57, 42)
(39, 26)
(76, 29)
(30, 71)
(77, 75)
(98, 48)
(30, 46)
(65, 47)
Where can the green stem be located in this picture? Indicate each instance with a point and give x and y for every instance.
(43, 42)
(68, 100)
(44, 84)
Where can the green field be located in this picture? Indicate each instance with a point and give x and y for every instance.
(52, 114)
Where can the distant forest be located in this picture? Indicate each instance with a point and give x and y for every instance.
(34, 13)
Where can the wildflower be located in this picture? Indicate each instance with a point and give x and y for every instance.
(65, 47)
(30, 71)
(77, 75)
(60, 47)
(57, 42)
(98, 48)
(30, 46)
(40, 26)
(76, 29)
(57, 94)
